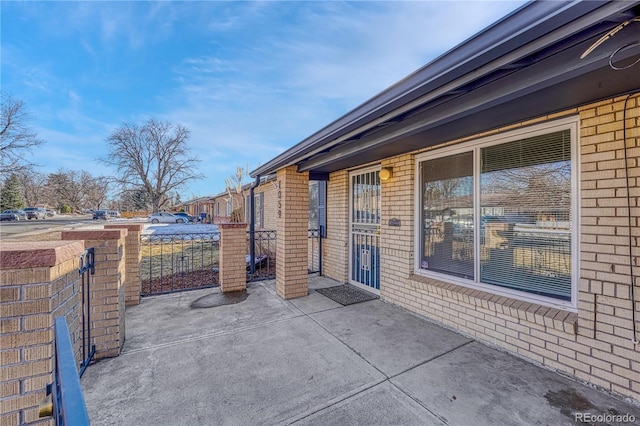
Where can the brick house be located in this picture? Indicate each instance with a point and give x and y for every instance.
(196, 206)
(495, 191)
(265, 204)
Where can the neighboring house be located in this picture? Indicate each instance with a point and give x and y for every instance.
(196, 206)
(494, 191)
(265, 203)
(221, 208)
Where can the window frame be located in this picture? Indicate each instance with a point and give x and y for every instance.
(475, 145)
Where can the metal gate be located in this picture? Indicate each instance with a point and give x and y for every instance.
(86, 270)
(178, 262)
(364, 219)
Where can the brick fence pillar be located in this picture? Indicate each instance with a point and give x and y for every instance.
(38, 282)
(233, 251)
(133, 255)
(292, 274)
(107, 288)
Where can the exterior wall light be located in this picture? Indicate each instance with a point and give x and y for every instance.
(386, 173)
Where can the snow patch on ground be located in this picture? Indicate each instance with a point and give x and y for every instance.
(178, 228)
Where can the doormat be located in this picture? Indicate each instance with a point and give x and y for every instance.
(347, 294)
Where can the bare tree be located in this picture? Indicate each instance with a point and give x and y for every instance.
(77, 189)
(96, 190)
(66, 187)
(16, 136)
(34, 186)
(234, 185)
(154, 156)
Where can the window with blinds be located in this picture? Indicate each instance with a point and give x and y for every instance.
(317, 205)
(516, 231)
(525, 202)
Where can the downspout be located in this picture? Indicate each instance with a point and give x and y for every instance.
(252, 226)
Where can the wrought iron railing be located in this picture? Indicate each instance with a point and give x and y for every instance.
(178, 262)
(315, 250)
(265, 254)
(86, 270)
(264, 266)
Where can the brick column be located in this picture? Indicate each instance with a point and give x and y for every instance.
(292, 275)
(107, 288)
(133, 255)
(38, 282)
(233, 251)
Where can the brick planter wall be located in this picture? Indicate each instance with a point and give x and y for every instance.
(233, 265)
(133, 255)
(38, 282)
(107, 288)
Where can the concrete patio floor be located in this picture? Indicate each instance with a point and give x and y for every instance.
(312, 361)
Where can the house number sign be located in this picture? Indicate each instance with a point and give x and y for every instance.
(394, 222)
(279, 201)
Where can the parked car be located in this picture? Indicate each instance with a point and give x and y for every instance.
(51, 212)
(101, 214)
(190, 218)
(164, 217)
(9, 215)
(113, 213)
(19, 214)
(35, 213)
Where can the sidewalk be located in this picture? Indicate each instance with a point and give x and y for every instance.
(312, 361)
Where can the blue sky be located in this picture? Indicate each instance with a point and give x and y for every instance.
(249, 79)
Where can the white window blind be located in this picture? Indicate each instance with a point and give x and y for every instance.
(525, 203)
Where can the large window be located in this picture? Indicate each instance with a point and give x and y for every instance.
(499, 214)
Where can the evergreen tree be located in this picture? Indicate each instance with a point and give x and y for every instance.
(11, 194)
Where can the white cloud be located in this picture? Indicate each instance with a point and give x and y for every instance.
(250, 107)
(264, 76)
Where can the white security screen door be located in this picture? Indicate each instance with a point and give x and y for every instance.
(364, 264)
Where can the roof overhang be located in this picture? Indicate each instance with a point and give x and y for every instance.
(524, 66)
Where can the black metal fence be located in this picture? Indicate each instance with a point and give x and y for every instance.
(87, 268)
(265, 254)
(178, 262)
(315, 250)
(264, 267)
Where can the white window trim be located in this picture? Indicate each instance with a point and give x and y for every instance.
(570, 123)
